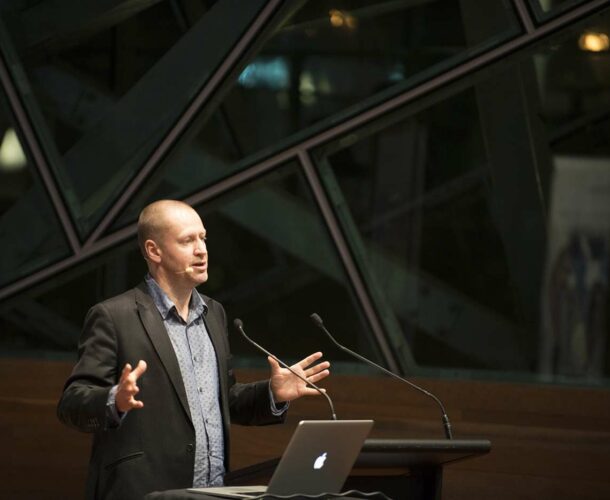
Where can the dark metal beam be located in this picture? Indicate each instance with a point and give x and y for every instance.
(32, 144)
(202, 97)
(52, 23)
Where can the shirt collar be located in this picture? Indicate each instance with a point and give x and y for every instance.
(165, 305)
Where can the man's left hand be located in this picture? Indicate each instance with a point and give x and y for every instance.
(286, 387)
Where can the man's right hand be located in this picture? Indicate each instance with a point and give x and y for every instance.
(128, 388)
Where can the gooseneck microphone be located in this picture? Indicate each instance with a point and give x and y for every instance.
(238, 323)
(446, 424)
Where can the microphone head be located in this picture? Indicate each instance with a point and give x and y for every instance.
(189, 270)
(238, 323)
(317, 320)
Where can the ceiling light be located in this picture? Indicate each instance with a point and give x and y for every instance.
(594, 42)
(12, 156)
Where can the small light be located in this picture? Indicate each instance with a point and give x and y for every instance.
(11, 154)
(351, 21)
(306, 83)
(337, 19)
(594, 42)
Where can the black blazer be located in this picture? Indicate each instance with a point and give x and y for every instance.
(153, 448)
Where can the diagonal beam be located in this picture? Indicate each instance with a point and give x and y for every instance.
(214, 81)
(51, 23)
(318, 137)
(39, 159)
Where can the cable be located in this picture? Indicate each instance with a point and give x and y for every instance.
(353, 493)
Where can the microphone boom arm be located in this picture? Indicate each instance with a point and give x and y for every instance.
(446, 424)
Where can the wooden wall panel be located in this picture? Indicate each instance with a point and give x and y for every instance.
(548, 442)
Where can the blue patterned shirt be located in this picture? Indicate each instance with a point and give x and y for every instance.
(199, 369)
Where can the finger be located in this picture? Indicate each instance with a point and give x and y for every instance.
(319, 376)
(312, 392)
(135, 404)
(317, 368)
(140, 369)
(304, 363)
(125, 372)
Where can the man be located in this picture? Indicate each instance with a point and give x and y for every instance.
(164, 424)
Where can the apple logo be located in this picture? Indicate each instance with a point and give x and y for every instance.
(319, 463)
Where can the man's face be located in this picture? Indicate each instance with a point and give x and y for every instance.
(182, 248)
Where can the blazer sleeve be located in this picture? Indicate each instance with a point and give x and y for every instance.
(83, 402)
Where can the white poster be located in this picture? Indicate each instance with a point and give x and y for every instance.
(575, 294)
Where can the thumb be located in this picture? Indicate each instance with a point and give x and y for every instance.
(273, 364)
(140, 368)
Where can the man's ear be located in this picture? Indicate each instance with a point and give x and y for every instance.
(153, 251)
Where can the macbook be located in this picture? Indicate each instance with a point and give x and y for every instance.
(318, 459)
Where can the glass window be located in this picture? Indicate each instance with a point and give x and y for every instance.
(447, 205)
(272, 264)
(46, 320)
(328, 60)
(104, 82)
(547, 9)
(30, 232)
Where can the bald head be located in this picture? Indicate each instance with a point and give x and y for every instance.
(155, 219)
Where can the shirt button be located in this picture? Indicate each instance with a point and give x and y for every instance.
(195, 359)
(200, 389)
(189, 448)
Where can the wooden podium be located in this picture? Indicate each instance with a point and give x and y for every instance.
(400, 468)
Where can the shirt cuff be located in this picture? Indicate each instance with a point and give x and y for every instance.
(277, 409)
(113, 416)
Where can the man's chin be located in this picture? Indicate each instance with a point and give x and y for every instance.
(200, 278)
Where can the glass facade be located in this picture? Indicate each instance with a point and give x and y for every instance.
(429, 177)
(325, 64)
(96, 79)
(31, 234)
(547, 9)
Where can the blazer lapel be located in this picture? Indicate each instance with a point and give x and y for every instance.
(217, 335)
(216, 332)
(149, 315)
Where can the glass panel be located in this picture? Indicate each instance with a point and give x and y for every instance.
(328, 59)
(271, 264)
(445, 204)
(31, 235)
(47, 319)
(97, 79)
(547, 9)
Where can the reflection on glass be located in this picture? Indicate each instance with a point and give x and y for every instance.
(342, 56)
(546, 9)
(271, 264)
(104, 82)
(425, 220)
(30, 233)
(447, 211)
(47, 319)
(326, 61)
(575, 105)
(573, 85)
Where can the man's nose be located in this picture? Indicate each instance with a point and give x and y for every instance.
(200, 248)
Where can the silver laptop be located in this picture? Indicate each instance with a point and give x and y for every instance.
(318, 459)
